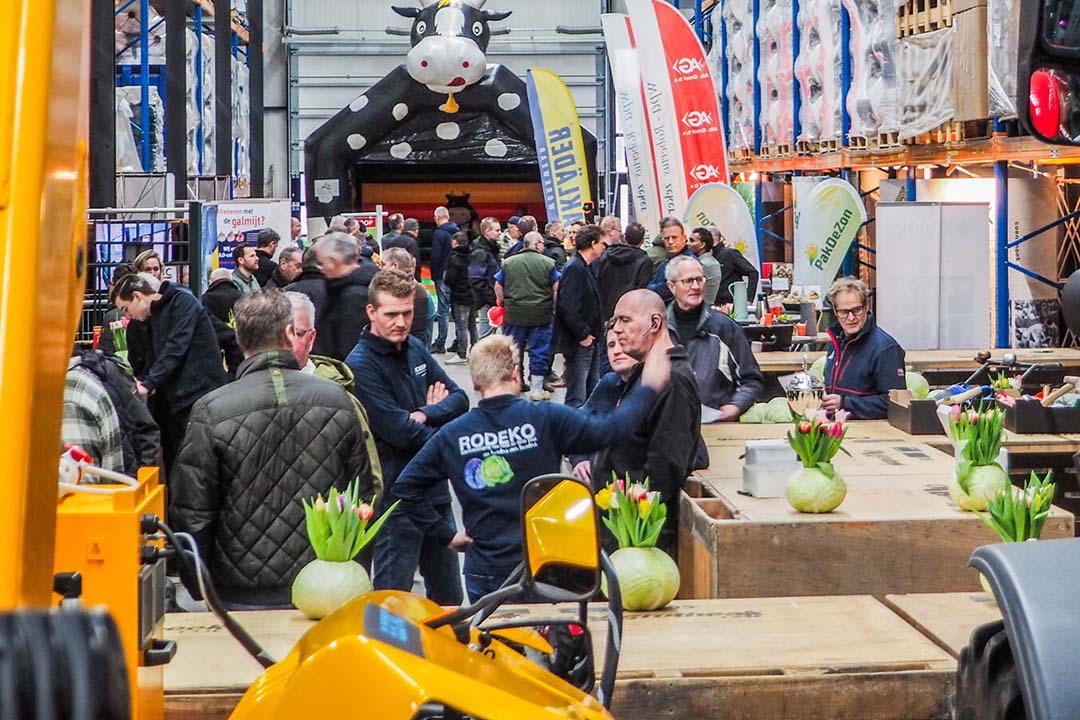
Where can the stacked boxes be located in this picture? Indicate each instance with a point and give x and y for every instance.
(776, 77)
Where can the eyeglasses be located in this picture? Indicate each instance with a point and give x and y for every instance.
(301, 333)
(691, 281)
(852, 312)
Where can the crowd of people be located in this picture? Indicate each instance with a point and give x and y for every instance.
(304, 368)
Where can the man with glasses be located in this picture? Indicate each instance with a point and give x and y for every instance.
(674, 235)
(728, 376)
(864, 362)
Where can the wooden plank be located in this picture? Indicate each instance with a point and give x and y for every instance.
(920, 360)
(946, 618)
(733, 657)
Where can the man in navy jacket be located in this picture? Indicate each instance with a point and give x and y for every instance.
(579, 325)
(675, 242)
(408, 397)
(492, 451)
(440, 254)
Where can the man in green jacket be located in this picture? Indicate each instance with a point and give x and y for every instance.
(526, 288)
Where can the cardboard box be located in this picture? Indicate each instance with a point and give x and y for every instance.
(971, 61)
(915, 417)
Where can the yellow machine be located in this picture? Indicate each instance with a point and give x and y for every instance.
(104, 537)
(418, 661)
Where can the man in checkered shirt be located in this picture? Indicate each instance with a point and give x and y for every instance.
(90, 419)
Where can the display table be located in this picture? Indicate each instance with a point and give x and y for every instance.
(923, 360)
(946, 618)
(896, 532)
(805, 657)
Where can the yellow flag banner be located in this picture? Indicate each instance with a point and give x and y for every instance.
(560, 148)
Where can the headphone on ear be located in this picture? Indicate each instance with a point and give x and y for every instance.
(655, 323)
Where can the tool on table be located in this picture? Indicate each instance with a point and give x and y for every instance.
(1049, 398)
(963, 396)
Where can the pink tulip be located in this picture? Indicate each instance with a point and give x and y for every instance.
(842, 416)
(955, 413)
(621, 485)
(820, 417)
(636, 492)
(973, 417)
(365, 512)
(837, 430)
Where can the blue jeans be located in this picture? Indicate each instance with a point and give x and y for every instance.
(442, 313)
(401, 547)
(581, 373)
(537, 340)
(477, 586)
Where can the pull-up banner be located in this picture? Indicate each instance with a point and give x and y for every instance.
(560, 149)
(827, 221)
(626, 77)
(720, 205)
(681, 103)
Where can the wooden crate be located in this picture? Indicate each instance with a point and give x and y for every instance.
(914, 17)
(741, 153)
(954, 131)
(896, 532)
(796, 658)
(807, 147)
(946, 618)
(830, 146)
(889, 141)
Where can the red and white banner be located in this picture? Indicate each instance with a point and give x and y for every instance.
(681, 102)
(626, 76)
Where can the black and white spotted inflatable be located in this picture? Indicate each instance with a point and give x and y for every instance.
(445, 115)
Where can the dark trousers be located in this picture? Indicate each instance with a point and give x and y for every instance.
(173, 423)
(465, 327)
(581, 373)
(537, 340)
(401, 547)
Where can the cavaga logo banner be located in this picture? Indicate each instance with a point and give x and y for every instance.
(828, 221)
(560, 149)
(721, 205)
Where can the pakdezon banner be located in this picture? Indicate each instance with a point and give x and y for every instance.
(681, 100)
(626, 77)
(827, 221)
(560, 149)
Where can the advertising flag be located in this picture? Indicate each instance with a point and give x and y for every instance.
(560, 149)
(626, 76)
(721, 205)
(681, 101)
(826, 223)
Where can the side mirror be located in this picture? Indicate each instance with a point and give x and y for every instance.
(1048, 71)
(561, 539)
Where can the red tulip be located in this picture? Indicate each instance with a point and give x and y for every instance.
(365, 512)
(804, 427)
(837, 430)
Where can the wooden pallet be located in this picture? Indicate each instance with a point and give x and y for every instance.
(776, 151)
(829, 146)
(741, 153)
(952, 132)
(881, 142)
(920, 16)
(807, 147)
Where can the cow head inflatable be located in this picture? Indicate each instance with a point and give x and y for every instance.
(449, 42)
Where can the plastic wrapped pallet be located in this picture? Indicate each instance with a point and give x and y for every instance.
(127, 152)
(209, 121)
(926, 74)
(776, 73)
(200, 118)
(818, 71)
(874, 98)
(241, 124)
(1003, 39)
(738, 19)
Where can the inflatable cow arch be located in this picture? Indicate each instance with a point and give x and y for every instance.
(445, 115)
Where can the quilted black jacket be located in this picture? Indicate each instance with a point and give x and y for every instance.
(252, 451)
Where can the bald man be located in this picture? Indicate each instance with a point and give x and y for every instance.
(666, 445)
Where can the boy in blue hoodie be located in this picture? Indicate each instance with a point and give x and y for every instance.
(492, 451)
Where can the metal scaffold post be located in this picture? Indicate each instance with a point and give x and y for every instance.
(1001, 255)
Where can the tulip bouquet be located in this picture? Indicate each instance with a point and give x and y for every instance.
(816, 487)
(338, 528)
(977, 436)
(1018, 515)
(120, 343)
(635, 515)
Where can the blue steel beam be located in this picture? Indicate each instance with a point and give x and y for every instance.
(1035, 276)
(144, 84)
(1049, 226)
(1001, 272)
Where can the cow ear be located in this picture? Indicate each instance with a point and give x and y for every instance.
(409, 12)
(496, 15)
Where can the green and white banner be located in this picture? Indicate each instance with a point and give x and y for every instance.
(827, 221)
(723, 206)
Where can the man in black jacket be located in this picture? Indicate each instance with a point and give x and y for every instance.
(221, 295)
(406, 239)
(578, 322)
(623, 267)
(288, 268)
(265, 247)
(254, 450)
(187, 360)
(395, 223)
(408, 397)
(312, 282)
(666, 446)
(554, 234)
(347, 280)
(441, 243)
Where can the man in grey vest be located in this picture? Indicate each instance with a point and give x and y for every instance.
(526, 287)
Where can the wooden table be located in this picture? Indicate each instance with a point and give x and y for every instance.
(808, 657)
(946, 618)
(896, 532)
(922, 360)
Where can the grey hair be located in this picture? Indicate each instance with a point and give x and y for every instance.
(671, 270)
(400, 258)
(300, 301)
(532, 238)
(221, 274)
(441, 211)
(848, 284)
(290, 252)
(552, 226)
(154, 283)
(337, 245)
(261, 321)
